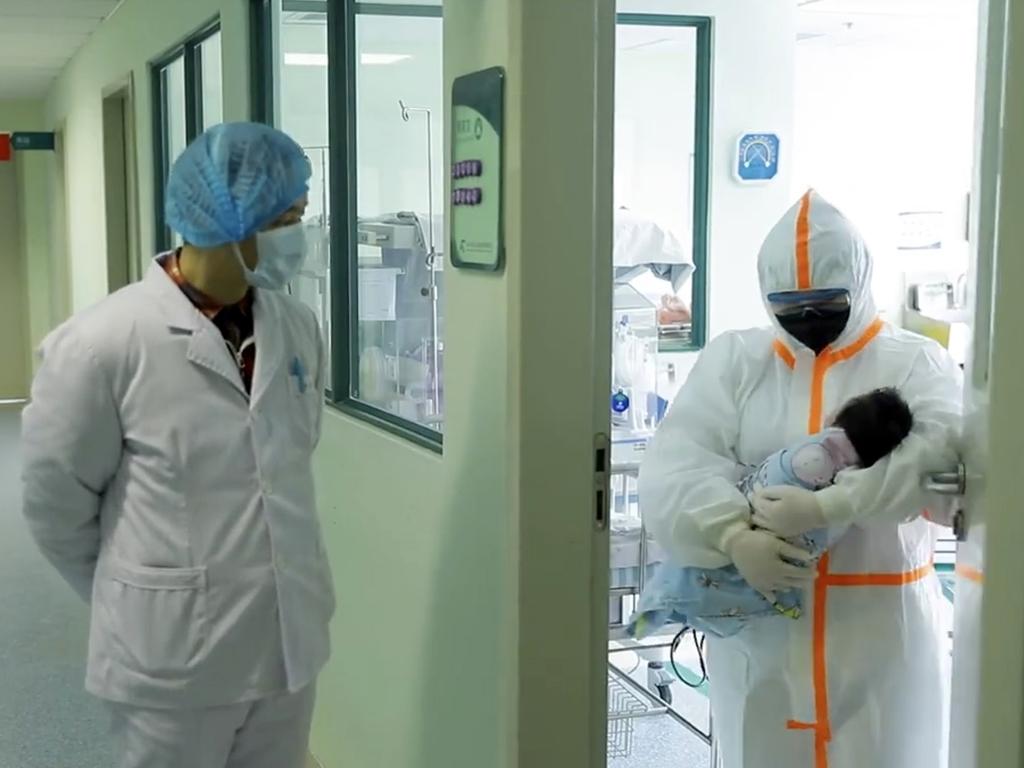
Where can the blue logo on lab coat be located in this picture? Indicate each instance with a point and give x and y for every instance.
(758, 157)
(298, 370)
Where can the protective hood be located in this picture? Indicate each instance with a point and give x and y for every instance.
(814, 247)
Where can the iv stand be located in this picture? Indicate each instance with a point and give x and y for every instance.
(432, 249)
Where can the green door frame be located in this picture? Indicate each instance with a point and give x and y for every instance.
(704, 27)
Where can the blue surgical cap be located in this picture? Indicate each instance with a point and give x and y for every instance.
(233, 181)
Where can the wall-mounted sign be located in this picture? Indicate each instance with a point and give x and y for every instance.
(757, 157)
(22, 140)
(5, 147)
(478, 105)
(920, 230)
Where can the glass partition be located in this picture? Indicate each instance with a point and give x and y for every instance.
(359, 86)
(399, 187)
(212, 99)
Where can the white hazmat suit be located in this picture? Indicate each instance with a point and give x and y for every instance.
(860, 679)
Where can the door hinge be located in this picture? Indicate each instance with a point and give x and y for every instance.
(959, 525)
(602, 465)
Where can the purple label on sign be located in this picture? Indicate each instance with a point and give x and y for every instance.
(467, 168)
(467, 196)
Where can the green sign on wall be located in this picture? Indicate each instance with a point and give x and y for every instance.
(477, 239)
(22, 140)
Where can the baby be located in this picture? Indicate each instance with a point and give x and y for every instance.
(718, 600)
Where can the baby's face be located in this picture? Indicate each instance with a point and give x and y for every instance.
(813, 466)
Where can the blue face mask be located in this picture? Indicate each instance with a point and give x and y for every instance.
(279, 253)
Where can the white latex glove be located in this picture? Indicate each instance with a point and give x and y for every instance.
(758, 555)
(786, 510)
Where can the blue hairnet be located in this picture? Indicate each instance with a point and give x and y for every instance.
(233, 181)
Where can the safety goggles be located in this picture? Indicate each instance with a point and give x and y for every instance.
(798, 302)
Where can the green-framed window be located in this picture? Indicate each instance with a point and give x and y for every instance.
(662, 165)
(333, 74)
(187, 99)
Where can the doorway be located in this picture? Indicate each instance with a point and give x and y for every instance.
(13, 374)
(118, 187)
(841, 63)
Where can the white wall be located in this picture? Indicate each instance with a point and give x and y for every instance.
(752, 90)
(25, 296)
(884, 124)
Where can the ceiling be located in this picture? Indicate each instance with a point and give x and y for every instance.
(863, 22)
(886, 7)
(37, 37)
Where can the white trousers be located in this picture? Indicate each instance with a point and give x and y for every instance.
(268, 733)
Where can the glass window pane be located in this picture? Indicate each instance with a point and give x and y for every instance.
(212, 96)
(174, 107)
(303, 110)
(655, 119)
(175, 135)
(399, 201)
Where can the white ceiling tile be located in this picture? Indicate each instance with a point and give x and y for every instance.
(68, 9)
(39, 47)
(19, 25)
(38, 37)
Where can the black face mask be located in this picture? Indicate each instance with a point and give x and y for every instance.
(815, 327)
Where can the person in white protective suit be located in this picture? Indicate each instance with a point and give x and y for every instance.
(861, 678)
(168, 472)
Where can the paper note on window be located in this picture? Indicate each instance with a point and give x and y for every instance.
(377, 294)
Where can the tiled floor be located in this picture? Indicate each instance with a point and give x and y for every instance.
(660, 741)
(46, 719)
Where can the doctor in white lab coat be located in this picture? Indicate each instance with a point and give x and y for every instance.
(168, 472)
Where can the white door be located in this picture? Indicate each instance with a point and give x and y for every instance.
(988, 665)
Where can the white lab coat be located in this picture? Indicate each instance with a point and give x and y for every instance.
(861, 679)
(181, 507)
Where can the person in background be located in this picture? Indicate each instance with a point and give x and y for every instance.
(861, 678)
(168, 472)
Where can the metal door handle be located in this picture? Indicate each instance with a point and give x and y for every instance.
(948, 483)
